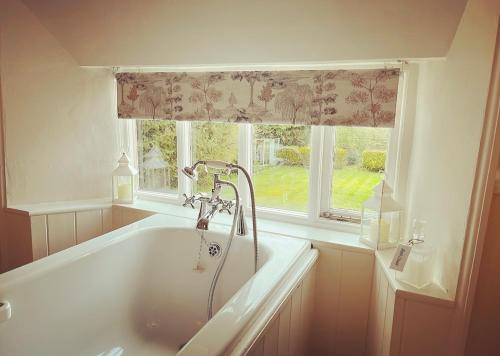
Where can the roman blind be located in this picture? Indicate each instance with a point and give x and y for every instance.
(307, 97)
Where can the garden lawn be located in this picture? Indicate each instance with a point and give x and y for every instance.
(352, 186)
(286, 187)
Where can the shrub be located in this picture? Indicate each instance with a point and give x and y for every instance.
(340, 157)
(373, 160)
(290, 155)
(294, 155)
(305, 152)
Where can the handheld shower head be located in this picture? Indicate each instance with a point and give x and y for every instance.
(190, 172)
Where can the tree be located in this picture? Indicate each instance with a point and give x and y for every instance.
(251, 77)
(324, 96)
(293, 100)
(197, 98)
(371, 92)
(132, 94)
(161, 134)
(151, 100)
(288, 135)
(232, 100)
(206, 91)
(173, 97)
(218, 141)
(266, 94)
(122, 79)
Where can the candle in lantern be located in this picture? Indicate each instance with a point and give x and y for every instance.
(125, 191)
(385, 228)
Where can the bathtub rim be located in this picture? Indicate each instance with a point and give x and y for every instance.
(72, 254)
(265, 316)
(58, 260)
(229, 328)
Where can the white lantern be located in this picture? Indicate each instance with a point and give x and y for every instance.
(123, 181)
(381, 219)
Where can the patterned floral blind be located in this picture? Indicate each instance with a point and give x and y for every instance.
(306, 97)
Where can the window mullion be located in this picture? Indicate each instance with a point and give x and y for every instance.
(245, 159)
(315, 168)
(327, 168)
(184, 139)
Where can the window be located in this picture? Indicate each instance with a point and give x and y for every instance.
(281, 166)
(279, 157)
(303, 172)
(157, 156)
(359, 159)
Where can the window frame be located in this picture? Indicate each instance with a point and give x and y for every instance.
(320, 170)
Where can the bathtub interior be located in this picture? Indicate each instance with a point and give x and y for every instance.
(171, 304)
(144, 295)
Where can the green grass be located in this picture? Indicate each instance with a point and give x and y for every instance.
(286, 187)
(352, 186)
(282, 187)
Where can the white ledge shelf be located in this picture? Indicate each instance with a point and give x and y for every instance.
(433, 293)
(59, 207)
(317, 235)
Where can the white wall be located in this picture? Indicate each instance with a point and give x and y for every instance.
(60, 130)
(449, 118)
(197, 32)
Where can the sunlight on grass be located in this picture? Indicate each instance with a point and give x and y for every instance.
(352, 186)
(288, 187)
(282, 187)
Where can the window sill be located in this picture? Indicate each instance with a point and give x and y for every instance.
(319, 233)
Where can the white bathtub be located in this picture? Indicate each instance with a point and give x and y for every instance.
(135, 291)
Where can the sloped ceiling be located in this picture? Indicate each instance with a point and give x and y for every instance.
(197, 32)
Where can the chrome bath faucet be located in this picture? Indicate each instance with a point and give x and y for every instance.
(241, 226)
(209, 206)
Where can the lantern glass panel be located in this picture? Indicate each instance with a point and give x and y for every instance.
(381, 222)
(123, 189)
(369, 224)
(389, 228)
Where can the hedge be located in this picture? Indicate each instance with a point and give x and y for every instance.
(305, 152)
(373, 160)
(295, 156)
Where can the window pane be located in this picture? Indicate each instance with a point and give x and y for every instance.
(359, 163)
(157, 153)
(214, 141)
(281, 166)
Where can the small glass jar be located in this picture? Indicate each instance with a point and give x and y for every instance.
(419, 269)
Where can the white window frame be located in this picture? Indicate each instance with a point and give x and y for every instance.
(320, 170)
